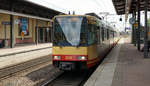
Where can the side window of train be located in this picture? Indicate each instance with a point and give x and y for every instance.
(110, 34)
(92, 34)
(102, 33)
(113, 34)
(95, 36)
(98, 34)
(83, 36)
(107, 34)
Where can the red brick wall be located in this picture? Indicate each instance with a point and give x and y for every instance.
(26, 40)
(19, 40)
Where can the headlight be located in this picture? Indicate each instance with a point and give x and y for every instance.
(56, 57)
(82, 58)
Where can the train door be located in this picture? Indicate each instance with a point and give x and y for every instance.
(105, 39)
(111, 37)
(98, 38)
(102, 46)
(98, 35)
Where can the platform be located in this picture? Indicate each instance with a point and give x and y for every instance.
(124, 66)
(12, 56)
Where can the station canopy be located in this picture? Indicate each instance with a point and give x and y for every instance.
(128, 6)
(27, 7)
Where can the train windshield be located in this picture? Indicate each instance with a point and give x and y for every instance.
(68, 31)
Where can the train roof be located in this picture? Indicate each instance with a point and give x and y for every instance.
(93, 14)
(89, 17)
(71, 15)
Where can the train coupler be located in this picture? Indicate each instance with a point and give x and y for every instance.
(67, 66)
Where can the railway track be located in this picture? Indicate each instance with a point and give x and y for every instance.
(76, 78)
(19, 68)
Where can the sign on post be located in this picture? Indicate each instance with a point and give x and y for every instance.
(132, 20)
(135, 25)
(6, 23)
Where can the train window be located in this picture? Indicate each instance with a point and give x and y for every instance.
(102, 32)
(67, 29)
(110, 36)
(83, 35)
(113, 34)
(95, 37)
(107, 34)
(98, 36)
(83, 39)
(92, 34)
(89, 33)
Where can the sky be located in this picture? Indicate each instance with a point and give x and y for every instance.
(85, 6)
(79, 6)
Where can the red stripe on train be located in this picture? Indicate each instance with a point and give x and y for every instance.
(69, 58)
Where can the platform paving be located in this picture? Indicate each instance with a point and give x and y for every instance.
(22, 49)
(13, 56)
(124, 66)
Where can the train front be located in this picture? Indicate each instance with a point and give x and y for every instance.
(69, 50)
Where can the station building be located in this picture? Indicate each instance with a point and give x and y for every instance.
(24, 22)
(29, 29)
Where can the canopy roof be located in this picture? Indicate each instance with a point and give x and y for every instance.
(27, 7)
(128, 6)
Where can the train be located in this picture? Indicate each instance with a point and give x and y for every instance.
(81, 41)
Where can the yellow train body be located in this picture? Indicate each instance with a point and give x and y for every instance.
(99, 41)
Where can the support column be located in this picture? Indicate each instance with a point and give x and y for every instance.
(132, 30)
(36, 32)
(135, 32)
(11, 26)
(11, 31)
(146, 32)
(43, 29)
(138, 30)
(52, 30)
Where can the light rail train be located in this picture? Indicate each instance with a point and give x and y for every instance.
(80, 41)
